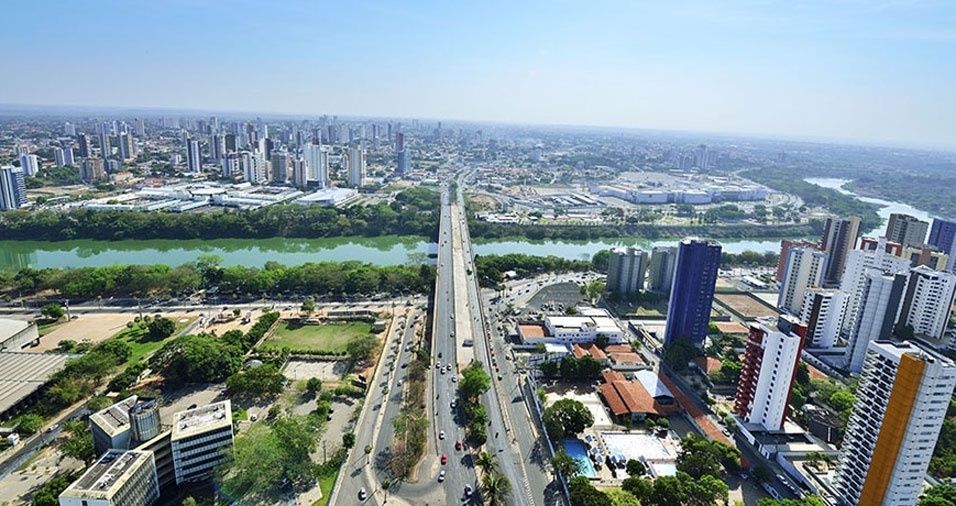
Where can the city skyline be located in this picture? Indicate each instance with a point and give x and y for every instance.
(853, 71)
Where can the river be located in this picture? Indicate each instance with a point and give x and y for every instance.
(389, 250)
(888, 207)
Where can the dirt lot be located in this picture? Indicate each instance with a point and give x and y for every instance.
(92, 327)
(749, 307)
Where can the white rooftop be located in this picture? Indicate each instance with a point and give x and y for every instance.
(202, 419)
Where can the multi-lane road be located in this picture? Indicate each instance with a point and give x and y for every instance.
(458, 336)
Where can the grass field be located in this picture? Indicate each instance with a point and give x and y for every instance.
(330, 337)
(325, 484)
(138, 339)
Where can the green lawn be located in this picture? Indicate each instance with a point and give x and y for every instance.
(325, 484)
(138, 339)
(329, 337)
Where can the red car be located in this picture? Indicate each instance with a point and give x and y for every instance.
(444, 459)
(458, 444)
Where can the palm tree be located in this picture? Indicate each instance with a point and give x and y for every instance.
(487, 462)
(495, 487)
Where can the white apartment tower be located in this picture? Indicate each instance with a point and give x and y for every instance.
(880, 299)
(804, 270)
(660, 274)
(625, 270)
(318, 161)
(30, 164)
(230, 165)
(900, 405)
(769, 370)
(193, 157)
(857, 264)
(823, 312)
(357, 166)
(253, 165)
(300, 171)
(63, 156)
(928, 302)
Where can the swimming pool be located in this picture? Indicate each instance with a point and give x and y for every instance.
(579, 452)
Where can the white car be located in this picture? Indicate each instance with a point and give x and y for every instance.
(441, 435)
(362, 494)
(441, 476)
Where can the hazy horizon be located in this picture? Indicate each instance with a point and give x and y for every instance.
(847, 71)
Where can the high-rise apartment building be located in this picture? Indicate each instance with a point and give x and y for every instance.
(127, 150)
(69, 129)
(118, 478)
(318, 164)
(230, 165)
(193, 156)
(625, 270)
(880, 298)
(83, 143)
(839, 237)
(660, 274)
(106, 150)
(357, 166)
(928, 302)
(63, 156)
(823, 312)
(926, 255)
(280, 167)
(906, 230)
(30, 164)
(767, 375)
(300, 171)
(805, 269)
(881, 243)
(943, 236)
(253, 165)
(785, 246)
(858, 263)
(92, 169)
(13, 188)
(199, 437)
(692, 292)
(140, 128)
(901, 403)
(217, 146)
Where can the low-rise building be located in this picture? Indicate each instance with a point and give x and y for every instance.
(198, 439)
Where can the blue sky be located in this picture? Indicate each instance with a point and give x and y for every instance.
(845, 69)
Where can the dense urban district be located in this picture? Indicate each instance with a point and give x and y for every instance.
(821, 373)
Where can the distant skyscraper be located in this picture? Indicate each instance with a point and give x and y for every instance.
(823, 311)
(126, 149)
(92, 169)
(403, 162)
(839, 237)
(280, 167)
(69, 129)
(859, 262)
(625, 270)
(906, 230)
(106, 150)
(140, 128)
(217, 147)
(692, 293)
(928, 302)
(767, 375)
(357, 166)
(230, 165)
(318, 164)
(83, 141)
(943, 236)
(231, 143)
(660, 274)
(253, 166)
(30, 164)
(901, 403)
(193, 157)
(300, 171)
(805, 269)
(880, 299)
(13, 188)
(63, 156)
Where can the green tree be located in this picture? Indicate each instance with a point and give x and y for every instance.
(30, 424)
(361, 348)
(571, 415)
(53, 311)
(48, 494)
(495, 488)
(564, 464)
(160, 328)
(635, 468)
(486, 462)
(313, 385)
(474, 381)
(308, 305)
(263, 380)
(79, 444)
(348, 440)
(582, 493)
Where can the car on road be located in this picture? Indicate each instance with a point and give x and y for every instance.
(454, 379)
(458, 444)
(468, 490)
(444, 458)
(441, 476)
(441, 435)
(454, 404)
(362, 494)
